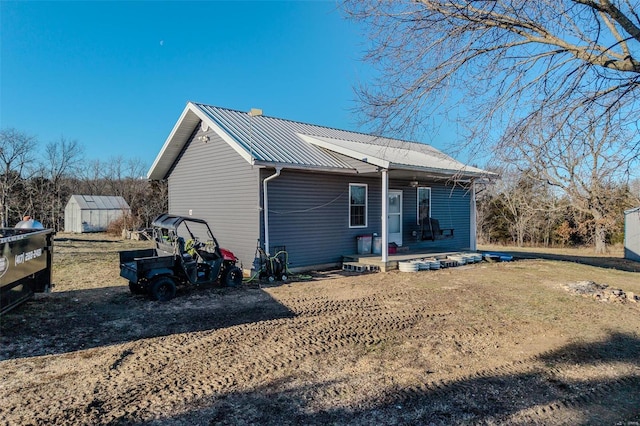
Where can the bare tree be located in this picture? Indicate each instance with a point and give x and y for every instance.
(16, 153)
(501, 64)
(92, 174)
(634, 189)
(61, 161)
(124, 177)
(154, 202)
(525, 204)
(587, 160)
(563, 72)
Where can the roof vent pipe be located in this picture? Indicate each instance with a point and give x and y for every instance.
(265, 210)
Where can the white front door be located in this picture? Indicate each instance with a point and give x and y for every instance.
(394, 216)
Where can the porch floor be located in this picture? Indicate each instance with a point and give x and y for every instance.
(393, 259)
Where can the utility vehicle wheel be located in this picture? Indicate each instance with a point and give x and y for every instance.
(162, 289)
(233, 277)
(136, 288)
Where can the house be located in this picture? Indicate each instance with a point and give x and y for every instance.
(632, 234)
(93, 213)
(311, 189)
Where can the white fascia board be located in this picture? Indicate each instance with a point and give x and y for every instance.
(153, 172)
(224, 135)
(175, 142)
(463, 172)
(345, 151)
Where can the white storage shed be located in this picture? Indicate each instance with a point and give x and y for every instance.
(632, 234)
(93, 213)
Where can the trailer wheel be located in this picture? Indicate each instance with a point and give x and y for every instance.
(162, 289)
(233, 277)
(136, 288)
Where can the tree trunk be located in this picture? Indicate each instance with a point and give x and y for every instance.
(600, 231)
(521, 229)
(599, 237)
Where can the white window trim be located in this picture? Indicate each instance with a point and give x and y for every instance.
(418, 202)
(366, 205)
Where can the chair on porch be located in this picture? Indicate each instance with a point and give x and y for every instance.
(430, 230)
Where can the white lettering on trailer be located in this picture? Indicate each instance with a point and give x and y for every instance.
(27, 256)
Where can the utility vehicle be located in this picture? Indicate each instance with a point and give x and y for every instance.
(185, 253)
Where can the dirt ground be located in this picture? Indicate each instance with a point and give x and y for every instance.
(489, 343)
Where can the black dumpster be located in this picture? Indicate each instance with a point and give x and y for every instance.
(25, 265)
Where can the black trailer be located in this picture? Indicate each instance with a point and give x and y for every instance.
(25, 265)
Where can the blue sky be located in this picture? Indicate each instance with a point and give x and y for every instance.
(115, 76)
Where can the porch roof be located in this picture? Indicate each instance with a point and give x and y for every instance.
(392, 154)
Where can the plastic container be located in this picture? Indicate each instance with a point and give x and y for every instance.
(377, 245)
(364, 244)
(409, 266)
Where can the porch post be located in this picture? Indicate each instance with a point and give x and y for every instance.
(473, 225)
(385, 216)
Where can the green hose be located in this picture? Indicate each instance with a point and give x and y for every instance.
(253, 277)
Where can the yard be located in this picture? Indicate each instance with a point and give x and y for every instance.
(490, 343)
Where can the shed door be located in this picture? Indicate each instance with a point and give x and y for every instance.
(394, 215)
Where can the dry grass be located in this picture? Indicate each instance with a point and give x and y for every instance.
(615, 251)
(501, 343)
(613, 259)
(86, 261)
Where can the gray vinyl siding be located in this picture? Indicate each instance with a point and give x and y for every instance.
(218, 185)
(451, 206)
(632, 234)
(309, 214)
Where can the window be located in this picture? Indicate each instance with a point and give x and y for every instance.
(424, 204)
(357, 205)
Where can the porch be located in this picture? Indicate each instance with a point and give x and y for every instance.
(405, 253)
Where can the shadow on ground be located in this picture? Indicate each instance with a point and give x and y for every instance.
(541, 395)
(61, 322)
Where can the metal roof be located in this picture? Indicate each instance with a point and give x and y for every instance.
(100, 202)
(633, 210)
(276, 142)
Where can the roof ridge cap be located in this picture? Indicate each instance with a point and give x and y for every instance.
(359, 132)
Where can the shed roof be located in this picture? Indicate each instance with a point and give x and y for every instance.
(100, 202)
(633, 210)
(269, 141)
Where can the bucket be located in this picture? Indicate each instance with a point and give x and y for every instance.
(377, 245)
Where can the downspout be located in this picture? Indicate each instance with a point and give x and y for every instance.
(265, 208)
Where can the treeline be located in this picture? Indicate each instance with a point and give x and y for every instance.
(524, 211)
(38, 181)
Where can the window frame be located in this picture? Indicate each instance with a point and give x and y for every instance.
(366, 205)
(418, 202)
